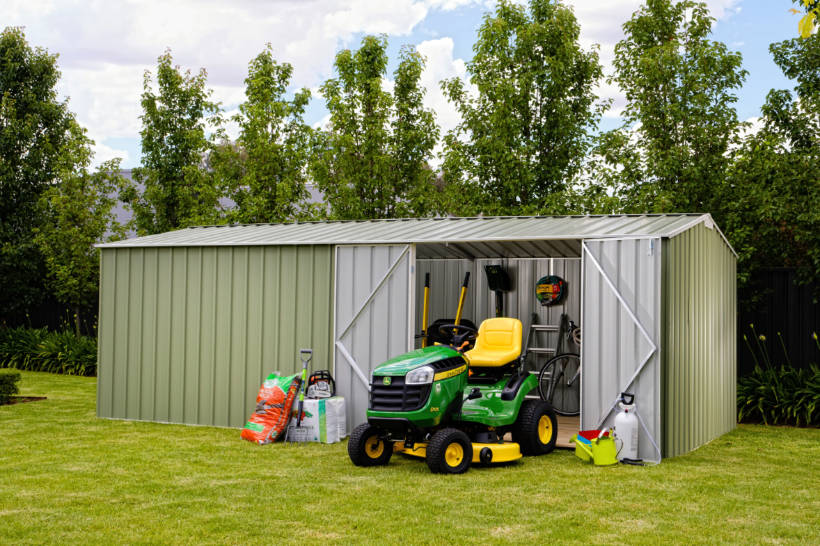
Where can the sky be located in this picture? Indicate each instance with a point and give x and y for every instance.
(105, 47)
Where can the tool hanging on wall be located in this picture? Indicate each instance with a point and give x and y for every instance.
(550, 290)
(425, 310)
(498, 282)
(461, 298)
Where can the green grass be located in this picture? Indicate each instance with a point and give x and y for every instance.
(68, 477)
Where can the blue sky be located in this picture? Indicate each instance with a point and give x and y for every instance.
(105, 47)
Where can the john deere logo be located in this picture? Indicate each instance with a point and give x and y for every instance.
(386, 380)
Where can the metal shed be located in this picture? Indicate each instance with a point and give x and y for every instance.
(192, 320)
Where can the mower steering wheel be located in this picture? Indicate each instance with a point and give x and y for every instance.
(458, 334)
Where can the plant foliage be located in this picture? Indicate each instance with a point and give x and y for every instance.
(176, 190)
(778, 394)
(265, 171)
(372, 159)
(671, 155)
(8, 385)
(38, 350)
(527, 113)
(80, 214)
(34, 128)
(770, 206)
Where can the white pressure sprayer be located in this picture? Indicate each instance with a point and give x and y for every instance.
(626, 428)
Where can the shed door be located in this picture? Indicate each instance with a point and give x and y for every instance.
(373, 316)
(621, 325)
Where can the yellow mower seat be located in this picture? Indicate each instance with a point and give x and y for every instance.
(498, 342)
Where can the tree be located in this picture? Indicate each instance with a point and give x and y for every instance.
(525, 132)
(808, 22)
(34, 128)
(671, 155)
(771, 206)
(267, 169)
(372, 161)
(177, 191)
(80, 211)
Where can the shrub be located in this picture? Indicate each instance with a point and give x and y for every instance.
(37, 349)
(778, 395)
(8, 385)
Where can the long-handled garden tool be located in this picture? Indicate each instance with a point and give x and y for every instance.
(298, 433)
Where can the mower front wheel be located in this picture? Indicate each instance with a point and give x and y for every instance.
(536, 428)
(367, 446)
(449, 452)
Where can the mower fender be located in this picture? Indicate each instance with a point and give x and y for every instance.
(491, 408)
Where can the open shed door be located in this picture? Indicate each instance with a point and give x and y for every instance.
(621, 325)
(373, 319)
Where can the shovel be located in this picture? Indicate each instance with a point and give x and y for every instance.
(298, 433)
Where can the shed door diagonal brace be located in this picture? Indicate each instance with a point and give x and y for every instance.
(653, 348)
(342, 349)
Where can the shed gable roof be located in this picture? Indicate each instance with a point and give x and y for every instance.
(425, 230)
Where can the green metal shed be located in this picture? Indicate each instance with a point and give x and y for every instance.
(191, 321)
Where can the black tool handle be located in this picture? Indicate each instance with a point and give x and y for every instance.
(466, 279)
(426, 280)
(627, 398)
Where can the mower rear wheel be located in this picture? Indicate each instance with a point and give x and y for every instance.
(449, 452)
(536, 428)
(367, 446)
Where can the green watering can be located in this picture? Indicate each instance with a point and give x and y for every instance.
(597, 446)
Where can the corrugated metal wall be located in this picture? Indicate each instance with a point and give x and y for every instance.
(613, 345)
(700, 358)
(382, 330)
(186, 335)
(447, 275)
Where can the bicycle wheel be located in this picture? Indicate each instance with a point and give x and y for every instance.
(559, 383)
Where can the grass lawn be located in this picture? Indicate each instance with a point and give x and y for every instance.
(68, 477)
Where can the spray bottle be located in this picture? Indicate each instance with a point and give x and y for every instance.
(626, 428)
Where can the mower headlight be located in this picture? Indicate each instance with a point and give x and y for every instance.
(420, 376)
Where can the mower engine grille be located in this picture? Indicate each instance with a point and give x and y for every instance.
(397, 396)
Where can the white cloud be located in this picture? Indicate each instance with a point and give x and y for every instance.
(440, 65)
(103, 153)
(105, 47)
(601, 23)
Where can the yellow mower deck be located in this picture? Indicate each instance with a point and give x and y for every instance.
(502, 453)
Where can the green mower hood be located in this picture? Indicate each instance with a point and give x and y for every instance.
(400, 365)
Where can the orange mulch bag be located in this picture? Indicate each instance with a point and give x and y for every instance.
(273, 405)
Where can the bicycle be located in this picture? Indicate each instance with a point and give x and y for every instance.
(564, 397)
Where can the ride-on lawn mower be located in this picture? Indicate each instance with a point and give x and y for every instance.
(453, 408)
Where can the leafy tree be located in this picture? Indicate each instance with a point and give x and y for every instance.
(526, 130)
(671, 155)
(771, 208)
(80, 209)
(34, 128)
(267, 168)
(808, 22)
(177, 191)
(372, 160)
(796, 118)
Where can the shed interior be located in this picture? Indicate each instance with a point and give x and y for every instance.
(525, 263)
